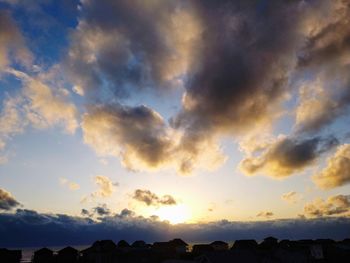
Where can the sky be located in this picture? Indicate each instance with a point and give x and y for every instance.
(154, 119)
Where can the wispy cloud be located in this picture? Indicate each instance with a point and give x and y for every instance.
(105, 188)
(292, 197)
(71, 185)
(265, 214)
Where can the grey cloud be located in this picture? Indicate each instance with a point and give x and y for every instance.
(102, 210)
(149, 198)
(85, 212)
(124, 44)
(7, 201)
(136, 134)
(287, 155)
(126, 213)
(242, 66)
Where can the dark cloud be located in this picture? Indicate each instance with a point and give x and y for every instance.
(7, 201)
(121, 44)
(99, 211)
(102, 210)
(136, 134)
(126, 213)
(149, 198)
(287, 155)
(39, 229)
(242, 67)
(85, 212)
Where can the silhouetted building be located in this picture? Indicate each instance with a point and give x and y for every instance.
(173, 246)
(178, 261)
(269, 243)
(245, 244)
(229, 257)
(103, 251)
(179, 245)
(43, 255)
(10, 256)
(201, 249)
(67, 255)
(139, 244)
(123, 244)
(219, 245)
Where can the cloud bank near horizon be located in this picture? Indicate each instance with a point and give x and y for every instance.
(38, 229)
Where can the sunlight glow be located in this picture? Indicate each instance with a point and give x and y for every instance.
(174, 214)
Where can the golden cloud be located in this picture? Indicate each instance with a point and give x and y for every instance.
(337, 171)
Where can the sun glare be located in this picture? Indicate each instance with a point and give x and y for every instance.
(174, 214)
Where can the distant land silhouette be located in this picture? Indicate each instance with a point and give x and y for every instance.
(270, 250)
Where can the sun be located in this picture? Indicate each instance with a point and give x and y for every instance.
(174, 214)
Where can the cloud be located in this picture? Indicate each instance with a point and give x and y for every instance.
(286, 156)
(136, 134)
(149, 198)
(40, 103)
(7, 201)
(338, 205)
(71, 185)
(85, 212)
(38, 229)
(337, 171)
(47, 106)
(243, 81)
(11, 123)
(102, 210)
(113, 51)
(12, 43)
(326, 95)
(106, 186)
(292, 197)
(237, 89)
(240, 86)
(316, 108)
(143, 141)
(265, 214)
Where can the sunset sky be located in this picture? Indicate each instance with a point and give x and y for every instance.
(174, 114)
